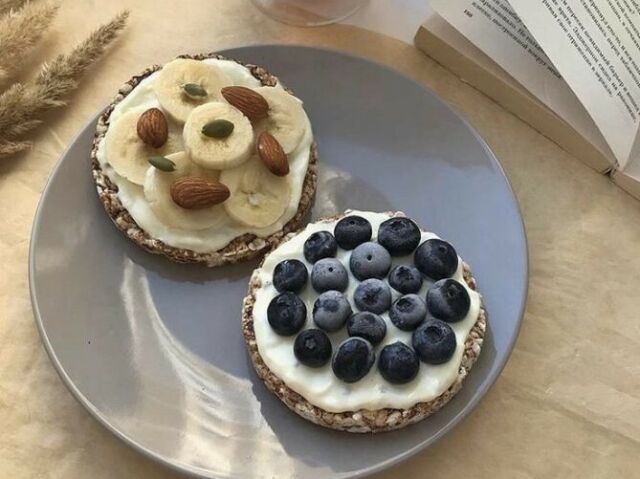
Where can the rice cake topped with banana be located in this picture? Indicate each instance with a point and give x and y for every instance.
(205, 160)
(363, 322)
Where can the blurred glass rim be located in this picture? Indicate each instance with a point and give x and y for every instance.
(309, 13)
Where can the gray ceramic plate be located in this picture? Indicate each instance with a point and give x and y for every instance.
(154, 350)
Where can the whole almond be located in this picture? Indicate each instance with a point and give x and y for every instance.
(272, 154)
(194, 192)
(251, 103)
(152, 128)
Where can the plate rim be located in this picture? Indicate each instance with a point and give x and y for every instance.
(481, 392)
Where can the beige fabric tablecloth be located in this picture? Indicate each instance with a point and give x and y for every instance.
(568, 402)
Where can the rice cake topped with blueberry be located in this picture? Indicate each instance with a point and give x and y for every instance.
(363, 322)
(205, 160)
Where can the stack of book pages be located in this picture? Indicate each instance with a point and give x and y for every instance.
(569, 69)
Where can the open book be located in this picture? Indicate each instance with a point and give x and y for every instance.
(571, 69)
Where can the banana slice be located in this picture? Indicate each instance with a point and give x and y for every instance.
(286, 121)
(168, 87)
(258, 197)
(157, 191)
(218, 153)
(128, 154)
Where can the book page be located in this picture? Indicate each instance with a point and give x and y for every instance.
(494, 28)
(595, 44)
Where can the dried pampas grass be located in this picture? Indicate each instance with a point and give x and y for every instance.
(22, 104)
(8, 5)
(19, 31)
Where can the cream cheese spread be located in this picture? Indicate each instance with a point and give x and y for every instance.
(320, 386)
(132, 196)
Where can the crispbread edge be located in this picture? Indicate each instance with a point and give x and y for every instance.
(360, 421)
(242, 248)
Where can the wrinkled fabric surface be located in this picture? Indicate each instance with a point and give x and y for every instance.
(568, 402)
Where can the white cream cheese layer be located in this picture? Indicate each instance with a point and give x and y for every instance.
(207, 240)
(319, 386)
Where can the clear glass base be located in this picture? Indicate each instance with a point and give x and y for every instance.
(309, 13)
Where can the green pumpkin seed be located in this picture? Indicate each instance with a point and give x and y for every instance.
(162, 163)
(193, 90)
(218, 129)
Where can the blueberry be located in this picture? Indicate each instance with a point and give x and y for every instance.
(434, 341)
(370, 260)
(312, 348)
(331, 310)
(436, 259)
(328, 273)
(405, 279)
(448, 300)
(368, 326)
(399, 235)
(407, 312)
(290, 275)
(353, 359)
(286, 314)
(320, 244)
(398, 363)
(351, 231)
(372, 295)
